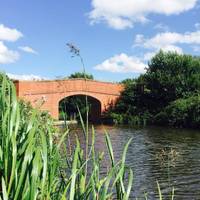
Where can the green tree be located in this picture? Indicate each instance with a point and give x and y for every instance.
(81, 75)
(168, 78)
(128, 81)
(171, 76)
(131, 108)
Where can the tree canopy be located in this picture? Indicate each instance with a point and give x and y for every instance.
(171, 80)
(171, 76)
(81, 75)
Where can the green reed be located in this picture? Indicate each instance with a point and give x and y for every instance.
(31, 159)
(28, 159)
(31, 166)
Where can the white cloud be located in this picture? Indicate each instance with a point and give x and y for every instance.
(197, 26)
(121, 14)
(11, 35)
(28, 49)
(122, 63)
(8, 34)
(168, 38)
(118, 23)
(196, 48)
(139, 39)
(167, 41)
(162, 27)
(171, 48)
(25, 77)
(149, 55)
(6, 55)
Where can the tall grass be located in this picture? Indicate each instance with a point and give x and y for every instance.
(30, 160)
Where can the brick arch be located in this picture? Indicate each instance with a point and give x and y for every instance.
(63, 96)
(96, 106)
(103, 99)
(53, 91)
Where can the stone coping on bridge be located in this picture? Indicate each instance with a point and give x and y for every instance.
(70, 79)
(69, 85)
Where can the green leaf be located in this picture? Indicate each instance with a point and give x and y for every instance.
(110, 149)
(159, 191)
(5, 195)
(74, 171)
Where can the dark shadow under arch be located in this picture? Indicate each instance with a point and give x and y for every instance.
(68, 108)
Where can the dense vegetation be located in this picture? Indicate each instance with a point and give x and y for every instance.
(167, 94)
(37, 163)
(81, 75)
(89, 108)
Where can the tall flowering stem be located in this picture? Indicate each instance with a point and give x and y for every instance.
(75, 51)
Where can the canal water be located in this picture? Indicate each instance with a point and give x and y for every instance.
(169, 156)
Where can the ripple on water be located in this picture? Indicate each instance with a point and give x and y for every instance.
(183, 173)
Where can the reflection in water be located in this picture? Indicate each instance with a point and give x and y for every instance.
(143, 156)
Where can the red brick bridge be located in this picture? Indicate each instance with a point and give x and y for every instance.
(48, 94)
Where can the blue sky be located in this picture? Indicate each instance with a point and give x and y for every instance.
(116, 37)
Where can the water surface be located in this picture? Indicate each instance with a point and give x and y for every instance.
(171, 156)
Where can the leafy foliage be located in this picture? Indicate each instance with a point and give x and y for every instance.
(31, 166)
(182, 112)
(44, 119)
(68, 107)
(28, 159)
(169, 77)
(81, 75)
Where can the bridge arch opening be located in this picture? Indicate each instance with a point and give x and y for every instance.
(68, 108)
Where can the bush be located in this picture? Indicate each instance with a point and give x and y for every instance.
(161, 118)
(117, 118)
(181, 113)
(45, 121)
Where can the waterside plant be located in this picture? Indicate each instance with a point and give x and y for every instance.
(31, 166)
